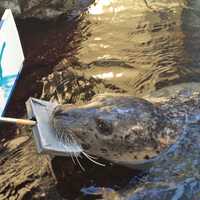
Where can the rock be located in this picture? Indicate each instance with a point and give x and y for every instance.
(13, 144)
(42, 9)
(24, 174)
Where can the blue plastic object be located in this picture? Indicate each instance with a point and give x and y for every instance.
(11, 58)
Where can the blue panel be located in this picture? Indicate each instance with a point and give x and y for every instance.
(1, 23)
(1, 57)
(11, 58)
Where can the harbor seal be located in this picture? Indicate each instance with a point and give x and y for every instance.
(116, 127)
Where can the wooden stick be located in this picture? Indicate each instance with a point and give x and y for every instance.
(26, 122)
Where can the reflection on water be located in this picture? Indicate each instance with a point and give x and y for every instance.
(117, 34)
(99, 7)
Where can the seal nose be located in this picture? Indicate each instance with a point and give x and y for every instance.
(59, 112)
(66, 115)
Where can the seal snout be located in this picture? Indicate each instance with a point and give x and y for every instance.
(60, 113)
(57, 111)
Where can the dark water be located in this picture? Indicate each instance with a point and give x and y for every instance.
(140, 49)
(135, 47)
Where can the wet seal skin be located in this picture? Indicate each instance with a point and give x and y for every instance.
(115, 127)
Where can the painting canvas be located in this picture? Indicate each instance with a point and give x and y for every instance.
(11, 57)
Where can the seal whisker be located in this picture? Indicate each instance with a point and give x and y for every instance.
(71, 155)
(88, 157)
(81, 166)
(92, 157)
(64, 139)
(69, 141)
(80, 156)
(73, 141)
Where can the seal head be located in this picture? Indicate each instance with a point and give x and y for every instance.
(115, 127)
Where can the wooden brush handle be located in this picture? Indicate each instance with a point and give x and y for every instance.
(25, 122)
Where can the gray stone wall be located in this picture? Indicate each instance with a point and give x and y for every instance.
(42, 9)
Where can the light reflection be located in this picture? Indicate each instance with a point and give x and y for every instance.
(97, 38)
(104, 57)
(97, 8)
(108, 75)
(100, 6)
(114, 6)
(104, 46)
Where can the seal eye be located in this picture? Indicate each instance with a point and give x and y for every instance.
(105, 128)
